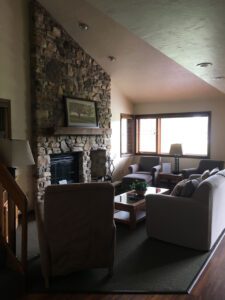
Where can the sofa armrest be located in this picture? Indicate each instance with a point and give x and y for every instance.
(168, 208)
(187, 172)
(178, 220)
(155, 173)
(156, 168)
(133, 168)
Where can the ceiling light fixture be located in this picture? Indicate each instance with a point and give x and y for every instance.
(219, 77)
(83, 26)
(204, 64)
(111, 58)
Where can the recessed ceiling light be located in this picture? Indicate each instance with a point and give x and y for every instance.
(83, 26)
(111, 58)
(204, 64)
(219, 77)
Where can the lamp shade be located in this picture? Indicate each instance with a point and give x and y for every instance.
(15, 153)
(176, 149)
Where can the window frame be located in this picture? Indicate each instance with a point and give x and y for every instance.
(133, 142)
(158, 118)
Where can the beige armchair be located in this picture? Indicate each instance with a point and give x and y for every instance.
(147, 169)
(76, 229)
(204, 164)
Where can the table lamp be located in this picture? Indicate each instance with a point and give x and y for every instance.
(176, 151)
(15, 153)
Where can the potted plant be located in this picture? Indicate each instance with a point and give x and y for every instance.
(140, 187)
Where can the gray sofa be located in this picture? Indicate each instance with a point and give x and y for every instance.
(196, 221)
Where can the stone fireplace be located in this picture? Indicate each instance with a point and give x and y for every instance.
(59, 68)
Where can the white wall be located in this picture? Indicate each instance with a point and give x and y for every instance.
(14, 74)
(214, 104)
(119, 104)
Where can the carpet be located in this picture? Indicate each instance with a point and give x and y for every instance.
(142, 265)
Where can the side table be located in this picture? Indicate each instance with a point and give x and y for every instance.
(168, 180)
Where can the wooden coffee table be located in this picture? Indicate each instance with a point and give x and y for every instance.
(130, 209)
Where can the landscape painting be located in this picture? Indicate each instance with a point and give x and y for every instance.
(81, 113)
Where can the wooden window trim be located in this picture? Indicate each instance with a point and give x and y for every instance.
(172, 115)
(129, 117)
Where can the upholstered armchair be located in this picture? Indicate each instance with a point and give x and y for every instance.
(204, 164)
(76, 228)
(146, 170)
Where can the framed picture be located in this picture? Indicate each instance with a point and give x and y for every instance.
(81, 113)
(166, 167)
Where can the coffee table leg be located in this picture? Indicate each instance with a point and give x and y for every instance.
(132, 219)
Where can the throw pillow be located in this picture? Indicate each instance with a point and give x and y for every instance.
(189, 188)
(205, 174)
(213, 171)
(199, 179)
(221, 173)
(178, 188)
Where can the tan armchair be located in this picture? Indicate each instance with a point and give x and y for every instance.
(147, 170)
(204, 164)
(76, 229)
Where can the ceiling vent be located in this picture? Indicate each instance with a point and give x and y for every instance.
(204, 64)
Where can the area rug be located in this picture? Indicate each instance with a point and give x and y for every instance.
(142, 265)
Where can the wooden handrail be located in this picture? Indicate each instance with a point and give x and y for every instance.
(15, 197)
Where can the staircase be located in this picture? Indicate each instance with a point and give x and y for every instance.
(12, 268)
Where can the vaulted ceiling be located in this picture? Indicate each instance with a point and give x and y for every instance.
(158, 45)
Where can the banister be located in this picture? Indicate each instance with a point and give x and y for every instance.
(17, 198)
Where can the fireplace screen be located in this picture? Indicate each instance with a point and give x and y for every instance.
(65, 168)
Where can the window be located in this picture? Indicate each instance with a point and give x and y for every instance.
(146, 134)
(126, 134)
(156, 133)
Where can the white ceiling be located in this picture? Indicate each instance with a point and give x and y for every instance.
(157, 44)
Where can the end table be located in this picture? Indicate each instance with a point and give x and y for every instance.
(168, 180)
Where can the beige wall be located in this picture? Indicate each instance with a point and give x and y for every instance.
(14, 74)
(119, 104)
(214, 104)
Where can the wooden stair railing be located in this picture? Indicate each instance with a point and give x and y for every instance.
(11, 196)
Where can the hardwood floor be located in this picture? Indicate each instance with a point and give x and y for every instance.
(211, 286)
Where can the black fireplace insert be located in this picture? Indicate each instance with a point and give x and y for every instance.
(65, 168)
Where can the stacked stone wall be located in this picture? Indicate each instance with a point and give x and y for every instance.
(61, 68)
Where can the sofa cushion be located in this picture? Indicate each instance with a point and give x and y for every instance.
(186, 187)
(214, 171)
(221, 173)
(189, 187)
(178, 188)
(205, 174)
